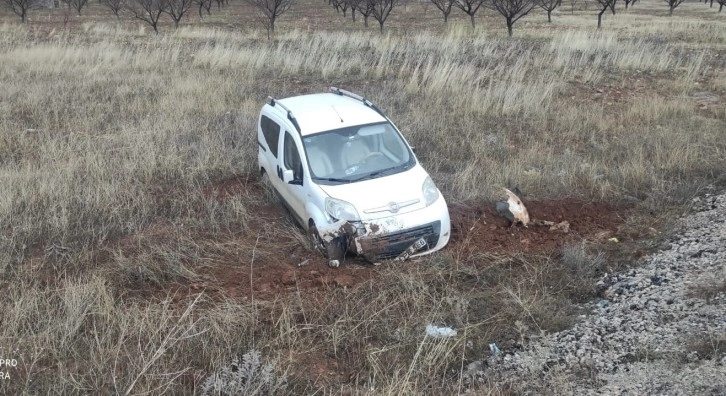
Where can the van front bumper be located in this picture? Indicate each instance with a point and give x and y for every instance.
(393, 237)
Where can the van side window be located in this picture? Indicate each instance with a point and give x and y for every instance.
(292, 157)
(271, 132)
(394, 144)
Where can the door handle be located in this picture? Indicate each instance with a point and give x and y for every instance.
(279, 172)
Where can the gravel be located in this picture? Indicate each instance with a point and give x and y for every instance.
(660, 328)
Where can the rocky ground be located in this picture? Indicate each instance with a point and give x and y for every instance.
(660, 328)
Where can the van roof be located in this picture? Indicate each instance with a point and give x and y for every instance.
(327, 111)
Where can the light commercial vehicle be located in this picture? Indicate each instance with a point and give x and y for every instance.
(349, 177)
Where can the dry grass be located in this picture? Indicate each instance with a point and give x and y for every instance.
(106, 133)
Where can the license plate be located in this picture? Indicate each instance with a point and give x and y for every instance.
(418, 245)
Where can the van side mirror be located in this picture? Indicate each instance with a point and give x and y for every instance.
(288, 176)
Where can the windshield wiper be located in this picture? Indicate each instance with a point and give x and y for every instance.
(333, 179)
(372, 175)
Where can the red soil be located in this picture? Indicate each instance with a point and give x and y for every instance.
(476, 228)
(268, 259)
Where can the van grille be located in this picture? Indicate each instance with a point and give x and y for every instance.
(390, 246)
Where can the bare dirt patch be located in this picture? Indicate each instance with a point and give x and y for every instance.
(269, 257)
(477, 228)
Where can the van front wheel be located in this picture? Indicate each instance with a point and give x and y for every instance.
(332, 250)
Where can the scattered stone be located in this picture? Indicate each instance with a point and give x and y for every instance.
(639, 339)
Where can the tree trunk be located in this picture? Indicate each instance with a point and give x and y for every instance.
(365, 20)
(670, 11)
(473, 23)
(549, 16)
(352, 13)
(446, 18)
(599, 18)
(509, 26)
(381, 23)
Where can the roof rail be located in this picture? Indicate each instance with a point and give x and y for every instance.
(349, 94)
(274, 102)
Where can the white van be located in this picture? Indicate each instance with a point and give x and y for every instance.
(349, 178)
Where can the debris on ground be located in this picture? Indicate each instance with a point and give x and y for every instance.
(513, 209)
(440, 332)
(494, 348)
(563, 226)
(658, 328)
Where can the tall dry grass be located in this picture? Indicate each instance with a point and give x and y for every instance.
(105, 133)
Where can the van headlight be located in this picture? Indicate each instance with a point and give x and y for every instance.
(341, 210)
(430, 192)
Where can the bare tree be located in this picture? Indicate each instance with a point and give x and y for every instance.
(204, 5)
(148, 11)
(114, 5)
(572, 6)
(177, 9)
(549, 6)
(21, 7)
(628, 2)
(270, 10)
(470, 7)
(353, 4)
(341, 5)
(672, 4)
(381, 9)
(721, 3)
(76, 4)
(365, 7)
(604, 5)
(512, 10)
(445, 7)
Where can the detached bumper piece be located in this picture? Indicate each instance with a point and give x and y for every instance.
(391, 246)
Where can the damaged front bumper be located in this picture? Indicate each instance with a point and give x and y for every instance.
(379, 240)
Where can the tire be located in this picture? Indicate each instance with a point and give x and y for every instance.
(316, 242)
(332, 250)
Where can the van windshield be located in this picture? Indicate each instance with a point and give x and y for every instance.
(356, 153)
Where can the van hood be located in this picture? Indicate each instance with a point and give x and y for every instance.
(383, 196)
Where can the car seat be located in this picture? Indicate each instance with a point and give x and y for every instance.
(353, 152)
(319, 162)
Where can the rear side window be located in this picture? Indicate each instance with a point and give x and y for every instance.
(271, 132)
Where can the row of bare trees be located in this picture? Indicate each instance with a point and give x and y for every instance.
(511, 10)
(151, 11)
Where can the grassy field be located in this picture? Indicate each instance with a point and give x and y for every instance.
(129, 189)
